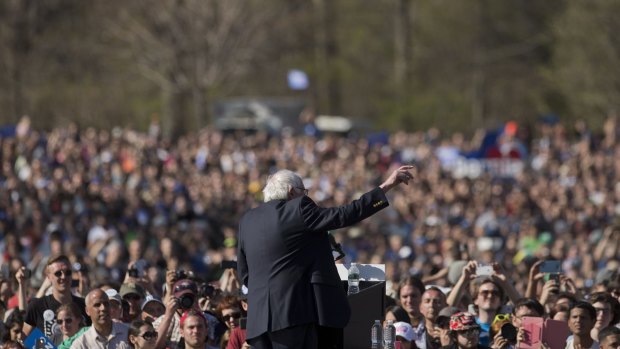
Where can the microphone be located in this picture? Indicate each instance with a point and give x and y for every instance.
(336, 247)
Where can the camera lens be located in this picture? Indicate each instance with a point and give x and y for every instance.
(186, 301)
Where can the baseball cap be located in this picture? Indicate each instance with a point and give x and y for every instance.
(463, 321)
(404, 330)
(113, 295)
(443, 318)
(184, 286)
(129, 288)
(151, 298)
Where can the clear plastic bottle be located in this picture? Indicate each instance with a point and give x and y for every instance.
(389, 335)
(354, 279)
(375, 334)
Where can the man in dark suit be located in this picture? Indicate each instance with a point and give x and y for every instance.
(285, 260)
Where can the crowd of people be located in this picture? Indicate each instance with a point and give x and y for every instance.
(135, 214)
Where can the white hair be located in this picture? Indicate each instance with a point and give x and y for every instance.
(279, 184)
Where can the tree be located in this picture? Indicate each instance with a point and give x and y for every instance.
(585, 59)
(188, 47)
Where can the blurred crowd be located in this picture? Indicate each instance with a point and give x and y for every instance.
(119, 200)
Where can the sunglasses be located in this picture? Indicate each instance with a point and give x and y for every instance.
(66, 272)
(149, 335)
(67, 321)
(502, 317)
(231, 316)
(469, 333)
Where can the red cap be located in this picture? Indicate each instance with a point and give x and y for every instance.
(189, 313)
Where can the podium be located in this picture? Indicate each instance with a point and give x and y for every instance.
(366, 306)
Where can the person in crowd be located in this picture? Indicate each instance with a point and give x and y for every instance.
(183, 298)
(287, 237)
(581, 320)
(229, 311)
(442, 325)
(116, 304)
(433, 300)
(523, 307)
(607, 311)
(13, 327)
(396, 313)
(134, 294)
(103, 331)
(464, 331)
(6, 291)
(410, 292)
(559, 312)
(194, 328)
(152, 308)
(237, 338)
(404, 334)
(488, 295)
(142, 335)
(41, 312)
(609, 337)
(69, 320)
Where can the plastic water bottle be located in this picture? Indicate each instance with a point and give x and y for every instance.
(389, 335)
(354, 279)
(375, 334)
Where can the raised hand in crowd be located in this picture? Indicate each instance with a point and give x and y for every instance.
(229, 281)
(137, 275)
(171, 278)
(22, 275)
(461, 286)
(172, 305)
(568, 285)
(549, 290)
(500, 277)
(534, 278)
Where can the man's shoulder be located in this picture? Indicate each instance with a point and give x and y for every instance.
(78, 300)
(40, 303)
(81, 340)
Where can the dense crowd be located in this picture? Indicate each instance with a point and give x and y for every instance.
(119, 200)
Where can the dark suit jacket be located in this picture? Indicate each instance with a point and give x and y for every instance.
(285, 260)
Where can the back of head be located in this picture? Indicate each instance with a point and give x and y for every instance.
(279, 184)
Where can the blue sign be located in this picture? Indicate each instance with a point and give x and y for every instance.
(34, 337)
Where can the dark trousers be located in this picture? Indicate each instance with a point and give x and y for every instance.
(330, 338)
(296, 337)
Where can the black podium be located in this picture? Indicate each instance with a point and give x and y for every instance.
(366, 307)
